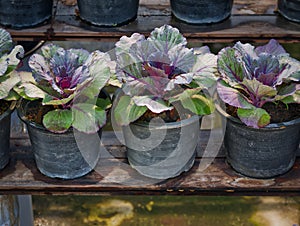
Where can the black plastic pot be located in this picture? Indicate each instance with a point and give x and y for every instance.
(201, 11)
(261, 153)
(61, 155)
(24, 13)
(290, 9)
(108, 12)
(162, 151)
(5, 136)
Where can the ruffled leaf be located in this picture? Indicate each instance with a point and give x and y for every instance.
(194, 101)
(232, 96)
(204, 70)
(273, 47)
(167, 37)
(8, 83)
(152, 103)
(6, 43)
(229, 65)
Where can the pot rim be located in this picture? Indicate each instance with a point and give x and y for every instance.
(9, 110)
(270, 126)
(169, 125)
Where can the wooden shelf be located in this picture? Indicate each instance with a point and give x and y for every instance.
(250, 21)
(113, 176)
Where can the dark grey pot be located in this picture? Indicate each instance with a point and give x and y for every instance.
(24, 13)
(108, 12)
(59, 155)
(261, 153)
(201, 11)
(169, 151)
(9, 210)
(5, 135)
(290, 9)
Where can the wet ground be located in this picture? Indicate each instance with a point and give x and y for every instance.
(166, 211)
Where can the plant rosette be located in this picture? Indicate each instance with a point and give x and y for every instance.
(261, 89)
(62, 103)
(9, 78)
(163, 85)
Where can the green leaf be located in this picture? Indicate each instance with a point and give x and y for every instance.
(192, 100)
(50, 100)
(200, 105)
(58, 121)
(229, 66)
(167, 37)
(88, 118)
(259, 89)
(103, 103)
(255, 117)
(205, 69)
(100, 67)
(6, 86)
(127, 111)
(13, 95)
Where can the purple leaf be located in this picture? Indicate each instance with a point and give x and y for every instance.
(273, 47)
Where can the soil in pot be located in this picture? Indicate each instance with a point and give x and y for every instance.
(59, 155)
(4, 105)
(279, 112)
(5, 112)
(265, 152)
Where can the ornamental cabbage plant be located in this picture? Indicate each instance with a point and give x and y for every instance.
(70, 81)
(159, 73)
(252, 77)
(9, 60)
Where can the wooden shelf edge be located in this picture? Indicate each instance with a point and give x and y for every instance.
(113, 176)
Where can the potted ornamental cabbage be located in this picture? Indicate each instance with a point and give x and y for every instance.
(9, 78)
(62, 107)
(261, 90)
(161, 99)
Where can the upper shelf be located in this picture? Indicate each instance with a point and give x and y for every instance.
(251, 20)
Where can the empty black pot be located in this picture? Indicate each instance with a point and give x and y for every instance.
(201, 11)
(108, 12)
(290, 9)
(24, 13)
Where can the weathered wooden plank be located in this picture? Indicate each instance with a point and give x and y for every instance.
(113, 175)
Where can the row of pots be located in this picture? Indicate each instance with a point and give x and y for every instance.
(258, 153)
(22, 13)
(64, 109)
